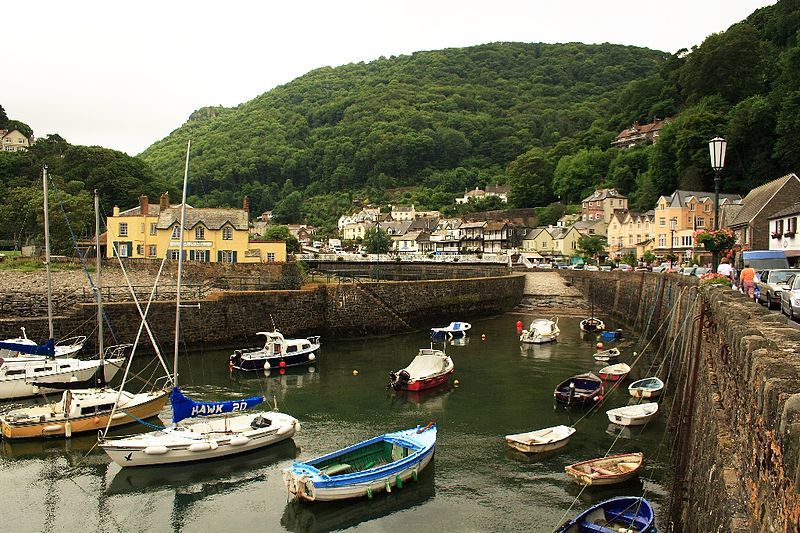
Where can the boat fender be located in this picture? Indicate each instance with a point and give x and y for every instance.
(266, 365)
(199, 447)
(388, 486)
(117, 416)
(53, 428)
(398, 481)
(156, 450)
(239, 440)
(285, 429)
(404, 376)
(311, 357)
(214, 444)
(68, 429)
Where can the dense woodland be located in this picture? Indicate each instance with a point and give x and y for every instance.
(423, 128)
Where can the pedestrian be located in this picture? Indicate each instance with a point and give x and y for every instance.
(725, 269)
(747, 280)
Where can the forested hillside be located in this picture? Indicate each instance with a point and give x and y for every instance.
(425, 127)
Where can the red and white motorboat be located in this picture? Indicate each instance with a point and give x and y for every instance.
(616, 372)
(430, 368)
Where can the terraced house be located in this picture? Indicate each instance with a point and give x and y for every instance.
(212, 235)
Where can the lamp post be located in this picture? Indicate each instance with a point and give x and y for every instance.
(672, 223)
(716, 148)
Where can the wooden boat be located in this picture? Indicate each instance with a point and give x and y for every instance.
(616, 372)
(606, 355)
(454, 330)
(541, 440)
(625, 514)
(430, 368)
(646, 388)
(541, 331)
(606, 470)
(277, 352)
(590, 325)
(373, 465)
(633, 415)
(579, 390)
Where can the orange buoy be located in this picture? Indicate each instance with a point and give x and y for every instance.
(599, 345)
(282, 364)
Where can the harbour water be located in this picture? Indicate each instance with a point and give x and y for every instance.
(475, 483)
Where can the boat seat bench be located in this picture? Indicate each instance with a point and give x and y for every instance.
(335, 469)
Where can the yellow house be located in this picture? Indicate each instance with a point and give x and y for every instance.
(14, 141)
(565, 240)
(211, 235)
(538, 240)
(628, 230)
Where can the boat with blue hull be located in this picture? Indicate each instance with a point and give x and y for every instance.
(276, 353)
(378, 464)
(583, 389)
(628, 514)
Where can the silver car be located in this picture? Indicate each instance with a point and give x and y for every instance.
(770, 283)
(790, 298)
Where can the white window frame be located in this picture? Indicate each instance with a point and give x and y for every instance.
(226, 256)
(123, 229)
(199, 233)
(174, 255)
(153, 230)
(151, 250)
(176, 231)
(227, 233)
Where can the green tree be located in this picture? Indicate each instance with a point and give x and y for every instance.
(590, 246)
(531, 176)
(648, 257)
(274, 232)
(578, 175)
(288, 210)
(376, 241)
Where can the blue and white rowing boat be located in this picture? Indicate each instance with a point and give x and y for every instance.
(629, 514)
(373, 465)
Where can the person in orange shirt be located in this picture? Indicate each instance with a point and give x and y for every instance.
(747, 279)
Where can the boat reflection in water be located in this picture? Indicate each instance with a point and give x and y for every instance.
(211, 478)
(432, 400)
(74, 448)
(599, 493)
(463, 341)
(542, 352)
(327, 516)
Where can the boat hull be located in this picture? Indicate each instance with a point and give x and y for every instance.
(538, 447)
(614, 515)
(429, 383)
(22, 386)
(646, 388)
(612, 377)
(84, 424)
(273, 362)
(142, 454)
(538, 339)
(623, 418)
(593, 473)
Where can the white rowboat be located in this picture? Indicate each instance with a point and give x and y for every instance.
(542, 440)
(633, 415)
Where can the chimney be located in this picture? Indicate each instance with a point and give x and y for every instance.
(164, 203)
(144, 204)
(246, 204)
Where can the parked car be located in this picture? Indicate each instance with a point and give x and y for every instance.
(562, 265)
(593, 268)
(790, 298)
(579, 266)
(700, 271)
(605, 268)
(624, 267)
(546, 266)
(663, 267)
(770, 283)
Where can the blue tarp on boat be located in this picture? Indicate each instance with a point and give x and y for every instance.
(183, 407)
(48, 348)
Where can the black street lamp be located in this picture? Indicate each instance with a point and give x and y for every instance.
(672, 223)
(716, 148)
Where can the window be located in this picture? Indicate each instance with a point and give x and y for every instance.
(141, 229)
(227, 256)
(662, 222)
(700, 222)
(574, 245)
(176, 232)
(270, 257)
(152, 228)
(707, 208)
(151, 250)
(123, 229)
(227, 233)
(691, 207)
(174, 255)
(662, 241)
(199, 233)
(140, 249)
(203, 256)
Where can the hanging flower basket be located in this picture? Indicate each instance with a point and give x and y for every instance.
(715, 240)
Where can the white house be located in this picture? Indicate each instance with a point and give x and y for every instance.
(783, 231)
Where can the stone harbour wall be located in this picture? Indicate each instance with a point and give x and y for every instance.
(232, 318)
(735, 427)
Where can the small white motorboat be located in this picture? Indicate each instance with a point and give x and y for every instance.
(541, 440)
(541, 330)
(615, 372)
(633, 415)
(646, 388)
(592, 325)
(454, 330)
(606, 355)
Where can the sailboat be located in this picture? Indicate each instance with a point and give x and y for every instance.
(203, 439)
(28, 369)
(85, 405)
(592, 324)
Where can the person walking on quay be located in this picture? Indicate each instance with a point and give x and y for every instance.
(725, 269)
(747, 279)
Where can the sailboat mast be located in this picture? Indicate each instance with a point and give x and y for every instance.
(180, 267)
(98, 265)
(47, 254)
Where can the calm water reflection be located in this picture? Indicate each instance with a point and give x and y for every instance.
(476, 482)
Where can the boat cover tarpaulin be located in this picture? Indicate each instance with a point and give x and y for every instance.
(48, 348)
(183, 407)
(426, 365)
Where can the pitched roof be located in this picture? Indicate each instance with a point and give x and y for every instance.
(210, 217)
(473, 225)
(602, 194)
(495, 225)
(152, 211)
(793, 209)
(681, 198)
(758, 198)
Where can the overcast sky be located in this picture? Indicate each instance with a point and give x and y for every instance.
(125, 74)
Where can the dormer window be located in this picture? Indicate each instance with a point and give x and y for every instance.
(199, 233)
(227, 233)
(176, 231)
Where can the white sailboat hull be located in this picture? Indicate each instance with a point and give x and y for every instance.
(13, 385)
(200, 441)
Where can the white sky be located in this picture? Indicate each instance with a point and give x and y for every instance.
(125, 74)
